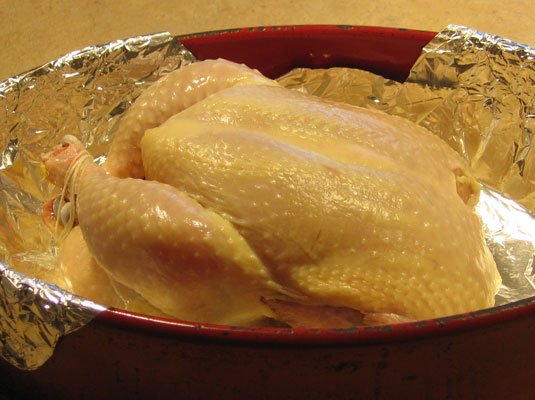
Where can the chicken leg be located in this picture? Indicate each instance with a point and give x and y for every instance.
(185, 260)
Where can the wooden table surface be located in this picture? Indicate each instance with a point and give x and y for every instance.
(36, 31)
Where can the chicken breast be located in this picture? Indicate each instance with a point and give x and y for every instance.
(258, 195)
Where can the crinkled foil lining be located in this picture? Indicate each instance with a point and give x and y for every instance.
(84, 94)
(34, 315)
(472, 89)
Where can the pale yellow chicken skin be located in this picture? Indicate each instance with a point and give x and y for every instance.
(347, 207)
(258, 192)
(169, 95)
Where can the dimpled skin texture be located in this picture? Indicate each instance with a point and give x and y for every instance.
(343, 206)
(169, 95)
(84, 276)
(185, 260)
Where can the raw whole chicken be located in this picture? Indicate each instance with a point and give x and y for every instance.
(259, 201)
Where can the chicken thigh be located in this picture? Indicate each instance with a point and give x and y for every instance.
(186, 260)
(256, 193)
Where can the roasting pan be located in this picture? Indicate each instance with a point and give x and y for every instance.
(486, 354)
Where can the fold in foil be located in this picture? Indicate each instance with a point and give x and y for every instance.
(34, 315)
(472, 89)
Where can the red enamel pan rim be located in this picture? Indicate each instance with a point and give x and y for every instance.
(320, 336)
(275, 50)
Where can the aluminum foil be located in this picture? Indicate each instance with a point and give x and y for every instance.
(34, 315)
(472, 89)
(83, 93)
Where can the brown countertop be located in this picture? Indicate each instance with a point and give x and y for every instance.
(34, 32)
